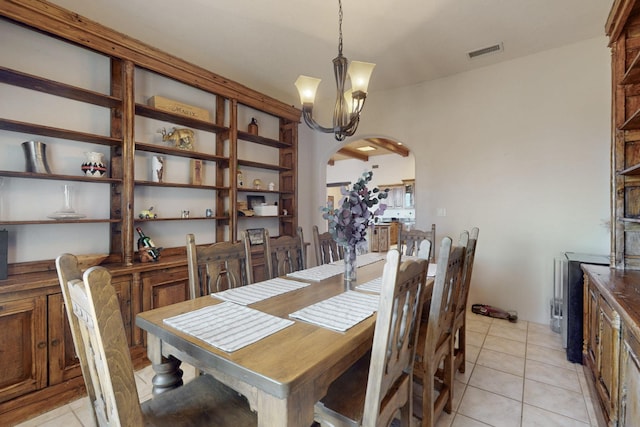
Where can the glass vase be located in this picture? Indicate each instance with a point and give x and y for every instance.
(350, 265)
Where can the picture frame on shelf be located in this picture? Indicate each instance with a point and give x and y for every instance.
(256, 236)
(255, 201)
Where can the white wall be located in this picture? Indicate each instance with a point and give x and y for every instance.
(519, 149)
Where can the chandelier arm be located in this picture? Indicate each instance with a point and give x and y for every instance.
(309, 120)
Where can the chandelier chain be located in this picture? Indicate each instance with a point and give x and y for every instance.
(340, 26)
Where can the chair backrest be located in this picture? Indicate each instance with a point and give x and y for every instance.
(409, 241)
(467, 270)
(218, 266)
(424, 250)
(68, 271)
(102, 340)
(286, 254)
(446, 287)
(327, 250)
(395, 339)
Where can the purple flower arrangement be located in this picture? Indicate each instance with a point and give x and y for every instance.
(348, 223)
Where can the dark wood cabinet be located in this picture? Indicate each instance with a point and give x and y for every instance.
(611, 351)
(23, 345)
(629, 406)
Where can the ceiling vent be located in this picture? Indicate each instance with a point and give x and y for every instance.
(485, 51)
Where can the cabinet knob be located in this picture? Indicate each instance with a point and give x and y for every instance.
(42, 345)
(55, 342)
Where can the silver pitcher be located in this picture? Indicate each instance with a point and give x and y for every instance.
(35, 156)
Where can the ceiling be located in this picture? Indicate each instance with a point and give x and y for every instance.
(266, 44)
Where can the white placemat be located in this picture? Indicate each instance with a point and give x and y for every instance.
(228, 326)
(364, 259)
(371, 286)
(321, 272)
(341, 312)
(249, 294)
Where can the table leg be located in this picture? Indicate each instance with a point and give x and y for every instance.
(168, 375)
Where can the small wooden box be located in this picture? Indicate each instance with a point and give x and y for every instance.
(176, 107)
(197, 172)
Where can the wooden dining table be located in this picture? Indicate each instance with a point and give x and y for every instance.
(283, 375)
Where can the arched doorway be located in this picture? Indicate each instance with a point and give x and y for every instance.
(393, 167)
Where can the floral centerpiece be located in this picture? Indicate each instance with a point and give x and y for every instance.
(349, 222)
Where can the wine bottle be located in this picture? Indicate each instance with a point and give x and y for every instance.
(145, 243)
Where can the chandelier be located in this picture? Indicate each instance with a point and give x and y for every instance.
(349, 103)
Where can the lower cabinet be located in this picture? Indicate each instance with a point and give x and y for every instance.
(36, 344)
(380, 239)
(629, 406)
(611, 351)
(159, 288)
(23, 345)
(607, 358)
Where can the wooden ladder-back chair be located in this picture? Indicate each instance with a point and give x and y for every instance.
(99, 336)
(286, 254)
(409, 241)
(377, 386)
(460, 321)
(424, 250)
(218, 266)
(327, 250)
(435, 340)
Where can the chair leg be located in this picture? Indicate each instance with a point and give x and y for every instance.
(427, 398)
(462, 347)
(449, 362)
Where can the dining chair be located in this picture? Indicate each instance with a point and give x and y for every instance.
(424, 249)
(327, 250)
(435, 339)
(378, 385)
(218, 266)
(99, 337)
(460, 321)
(409, 240)
(68, 270)
(285, 254)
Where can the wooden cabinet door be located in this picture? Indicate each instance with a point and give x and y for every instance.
(607, 359)
(629, 380)
(159, 288)
(63, 361)
(23, 345)
(591, 325)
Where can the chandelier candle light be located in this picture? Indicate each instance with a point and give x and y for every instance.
(349, 103)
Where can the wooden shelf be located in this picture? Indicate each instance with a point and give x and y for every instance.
(59, 177)
(632, 123)
(259, 165)
(191, 218)
(178, 185)
(631, 171)
(255, 190)
(154, 148)
(59, 221)
(40, 84)
(154, 113)
(16, 126)
(245, 136)
(632, 220)
(632, 76)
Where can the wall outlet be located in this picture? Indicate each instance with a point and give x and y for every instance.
(441, 212)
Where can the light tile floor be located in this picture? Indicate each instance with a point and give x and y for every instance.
(516, 375)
